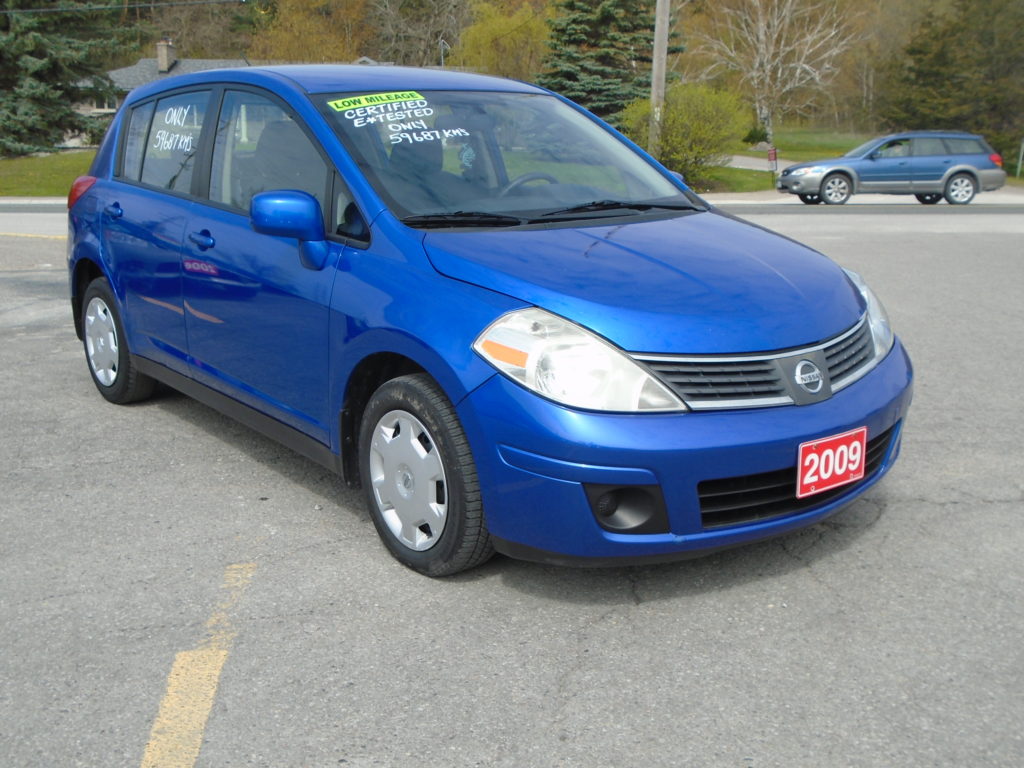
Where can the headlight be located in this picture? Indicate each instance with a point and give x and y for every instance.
(881, 330)
(570, 365)
(804, 171)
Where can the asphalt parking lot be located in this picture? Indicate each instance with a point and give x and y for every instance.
(178, 590)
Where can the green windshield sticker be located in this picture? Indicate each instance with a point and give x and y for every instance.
(355, 102)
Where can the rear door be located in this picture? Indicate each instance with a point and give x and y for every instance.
(144, 220)
(929, 162)
(257, 319)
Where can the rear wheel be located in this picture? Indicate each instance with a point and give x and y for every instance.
(960, 189)
(420, 480)
(836, 189)
(106, 348)
(810, 199)
(929, 199)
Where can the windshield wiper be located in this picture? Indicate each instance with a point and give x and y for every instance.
(611, 205)
(462, 219)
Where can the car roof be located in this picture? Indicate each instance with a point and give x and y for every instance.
(936, 134)
(335, 78)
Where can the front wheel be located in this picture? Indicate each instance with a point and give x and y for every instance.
(960, 189)
(420, 480)
(929, 199)
(106, 348)
(810, 199)
(836, 189)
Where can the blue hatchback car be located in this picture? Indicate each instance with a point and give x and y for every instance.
(475, 300)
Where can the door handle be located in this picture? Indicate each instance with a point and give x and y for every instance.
(203, 239)
(114, 211)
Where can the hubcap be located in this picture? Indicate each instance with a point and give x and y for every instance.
(101, 342)
(836, 189)
(408, 479)
(961, 189)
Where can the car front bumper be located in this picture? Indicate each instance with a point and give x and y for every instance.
(540, 463)
(804, 184)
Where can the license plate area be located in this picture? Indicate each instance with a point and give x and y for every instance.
(831, 462)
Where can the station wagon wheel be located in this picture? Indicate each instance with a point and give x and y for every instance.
(810, 199)
(929, 199)
(960, 189)
(420, 480)
(106, 348)
(836, 189)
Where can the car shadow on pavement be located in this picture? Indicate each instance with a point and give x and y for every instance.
(722, 570)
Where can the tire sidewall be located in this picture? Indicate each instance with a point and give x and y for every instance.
(118, 391)
(824, 184)
(949, 187)
(412, 395)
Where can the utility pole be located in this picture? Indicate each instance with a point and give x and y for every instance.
(661, 19)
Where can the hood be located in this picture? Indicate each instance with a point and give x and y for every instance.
(701, 283)
(829, 161)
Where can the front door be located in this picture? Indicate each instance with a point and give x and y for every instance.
(256, 318)
(888, 168)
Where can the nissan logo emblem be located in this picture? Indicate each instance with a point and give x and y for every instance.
(808, 376)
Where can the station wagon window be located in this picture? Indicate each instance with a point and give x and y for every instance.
(135, 141)
(260, 147)
(929, 146)
(895, 148)
(965, 146)
(173, 143)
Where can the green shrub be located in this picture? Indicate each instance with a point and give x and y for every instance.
(699, 123)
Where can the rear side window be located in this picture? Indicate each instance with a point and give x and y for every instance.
(929, 146)
(169, 158)
(965, 147)
(259, 147)
(135, 141)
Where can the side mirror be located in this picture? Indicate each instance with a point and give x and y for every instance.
(292, 213)
(678, 176)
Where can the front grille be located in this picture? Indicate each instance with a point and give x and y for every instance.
(709, 382)
(724, 382)
(750, 498)
(848, 356)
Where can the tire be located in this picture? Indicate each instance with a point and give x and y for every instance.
(106, 348)
(961, 189)
(836, 189)
(810, 199)
(420, 480)
(929, 199)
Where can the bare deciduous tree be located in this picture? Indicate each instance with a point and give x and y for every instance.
(413, 32)
(785, 52)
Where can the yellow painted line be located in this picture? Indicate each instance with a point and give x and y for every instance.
(41, 237)
(177, 732)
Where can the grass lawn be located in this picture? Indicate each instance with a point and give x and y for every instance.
(736, 180)
(43, 176)
(802, 144)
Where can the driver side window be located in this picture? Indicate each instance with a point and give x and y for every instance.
(260, 147)
(897, 148)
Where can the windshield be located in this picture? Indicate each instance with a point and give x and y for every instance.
(862, 149)
(494, 159)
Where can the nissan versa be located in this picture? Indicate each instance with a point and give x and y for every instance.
(509, 325)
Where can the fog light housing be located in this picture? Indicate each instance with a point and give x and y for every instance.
(628, 508)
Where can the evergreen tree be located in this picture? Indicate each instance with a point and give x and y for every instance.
(963, 70)
(601, 53)
(50, 62)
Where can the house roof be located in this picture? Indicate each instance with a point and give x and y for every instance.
(145, 70)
